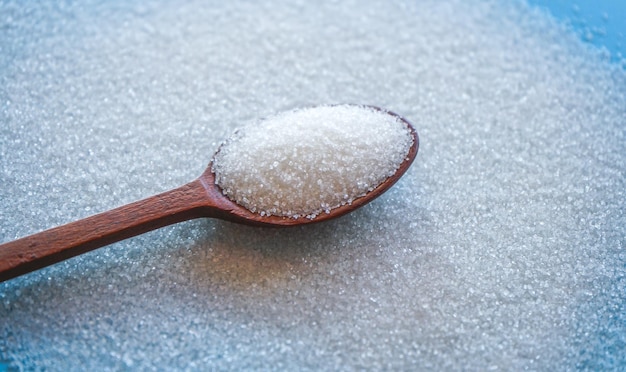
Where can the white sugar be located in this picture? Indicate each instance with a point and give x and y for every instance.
(309, 161)
(502, 247)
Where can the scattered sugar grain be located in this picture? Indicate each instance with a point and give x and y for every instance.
(312, 160)
(502, 248)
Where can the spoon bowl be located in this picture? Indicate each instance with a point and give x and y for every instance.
(199, 198)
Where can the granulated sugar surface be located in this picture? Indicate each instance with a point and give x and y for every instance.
(311, 160)
(501, 248)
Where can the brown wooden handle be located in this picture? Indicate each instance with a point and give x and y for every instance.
(51, 246)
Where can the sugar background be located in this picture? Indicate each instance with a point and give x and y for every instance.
(503, 247)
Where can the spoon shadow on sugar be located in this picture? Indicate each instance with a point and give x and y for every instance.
(239, 256)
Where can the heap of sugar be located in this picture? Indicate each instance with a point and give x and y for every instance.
(308, 161)
(502, 248)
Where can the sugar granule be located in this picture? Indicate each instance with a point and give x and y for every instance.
(309, 161)
(501, 248)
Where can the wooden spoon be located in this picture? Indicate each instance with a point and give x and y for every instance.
(199, 198)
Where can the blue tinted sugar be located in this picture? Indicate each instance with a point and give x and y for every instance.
(501, 248)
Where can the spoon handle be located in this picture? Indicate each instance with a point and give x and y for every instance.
(51, 246)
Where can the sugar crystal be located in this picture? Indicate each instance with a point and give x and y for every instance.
(502, 248)
(309, 161)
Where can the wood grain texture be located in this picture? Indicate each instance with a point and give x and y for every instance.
(200, 198)
(51, 246)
